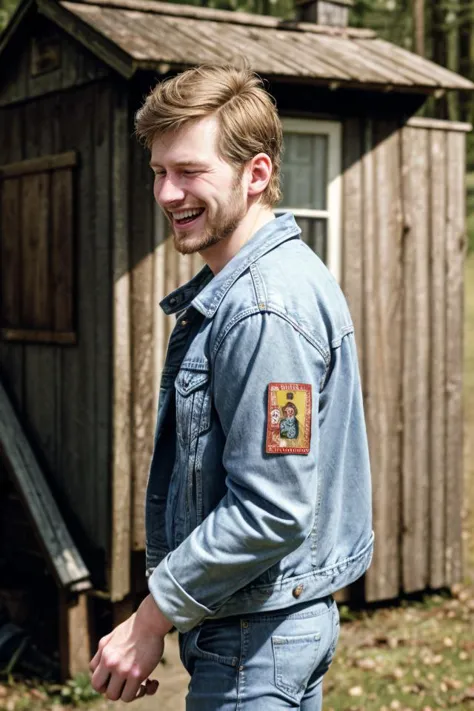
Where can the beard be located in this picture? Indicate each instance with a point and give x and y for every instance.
(222, 225)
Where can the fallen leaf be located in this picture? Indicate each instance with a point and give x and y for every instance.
(395, 704)
(366, 664)
(37, 694)
(356, 691)
(3, 691)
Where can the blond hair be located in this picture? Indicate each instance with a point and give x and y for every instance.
(248, 119)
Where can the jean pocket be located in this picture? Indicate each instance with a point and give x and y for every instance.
(218, 643)
(295, 658)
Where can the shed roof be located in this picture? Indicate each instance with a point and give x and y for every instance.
(148, 34)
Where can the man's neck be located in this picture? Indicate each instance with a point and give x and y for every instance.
(217, 256)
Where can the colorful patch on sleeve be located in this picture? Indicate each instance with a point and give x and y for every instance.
(288, 418)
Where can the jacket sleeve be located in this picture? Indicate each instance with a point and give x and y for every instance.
(268, 508)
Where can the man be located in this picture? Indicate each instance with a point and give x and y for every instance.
(248, 533)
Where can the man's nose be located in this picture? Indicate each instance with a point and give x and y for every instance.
(169, 192)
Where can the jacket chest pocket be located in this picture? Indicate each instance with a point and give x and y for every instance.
(193, 403)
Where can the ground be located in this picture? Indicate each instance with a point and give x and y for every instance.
(416, 656)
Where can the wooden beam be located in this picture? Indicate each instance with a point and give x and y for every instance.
(39, 165)
(22, 335)
(122, 376)
(61, 553)
(438, 398)
(75, 634)
(438, 124)
(416, 361)
(455, 251)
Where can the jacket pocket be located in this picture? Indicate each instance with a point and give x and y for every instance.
(193, 403)
(296, 658)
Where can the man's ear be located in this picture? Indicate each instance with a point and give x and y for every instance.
(259, 171)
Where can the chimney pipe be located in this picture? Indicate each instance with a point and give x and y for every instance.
(334, 13)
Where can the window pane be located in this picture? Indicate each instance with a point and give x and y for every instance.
(314, 233)
(304, 171)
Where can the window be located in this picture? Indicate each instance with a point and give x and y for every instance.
(311, 184)
(36, 249)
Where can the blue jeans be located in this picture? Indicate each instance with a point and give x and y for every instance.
(261, 662)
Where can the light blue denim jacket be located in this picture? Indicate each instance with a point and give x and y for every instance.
(231, 529)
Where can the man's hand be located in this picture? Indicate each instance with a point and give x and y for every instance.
(127, 656)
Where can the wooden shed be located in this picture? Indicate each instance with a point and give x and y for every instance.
(85, 258)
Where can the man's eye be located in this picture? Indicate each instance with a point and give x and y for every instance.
(191, 172)
(159, 173)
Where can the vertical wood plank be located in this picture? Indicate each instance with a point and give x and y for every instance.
(11, 252)
(455, 250)
(39, 360)
(171, 268)
(103, 316)
(77, 417)
(382, 347)
(121, 464)
(142, 335)
(352, 241)
(11, 150)
(417, 337)
(36, 309)
(159, 292)
(62, 266)
(197, 263)
(75, 635)
(437, 411)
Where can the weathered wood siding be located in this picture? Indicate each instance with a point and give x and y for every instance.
(156, 269)
(77, 67)
(403, 223)
(403, 247)
(63, 393)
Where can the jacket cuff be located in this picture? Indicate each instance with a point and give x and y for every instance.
(174, 602)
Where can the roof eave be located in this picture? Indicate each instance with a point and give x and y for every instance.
(163, 67)
(15, 21)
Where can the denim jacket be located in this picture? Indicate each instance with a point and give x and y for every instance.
(231, 527)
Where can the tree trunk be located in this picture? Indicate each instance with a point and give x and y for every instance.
(419, 26)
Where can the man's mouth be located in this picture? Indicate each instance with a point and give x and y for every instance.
(183, 218)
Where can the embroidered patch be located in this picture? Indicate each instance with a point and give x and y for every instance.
(288, 418)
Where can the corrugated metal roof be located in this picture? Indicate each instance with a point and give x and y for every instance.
(152, 34)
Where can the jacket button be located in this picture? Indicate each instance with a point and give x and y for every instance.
(298, 590)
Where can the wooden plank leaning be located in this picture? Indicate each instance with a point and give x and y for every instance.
(62, 554)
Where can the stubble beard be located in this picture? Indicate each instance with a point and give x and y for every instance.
(221, 226)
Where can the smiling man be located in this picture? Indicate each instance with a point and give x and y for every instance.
(258, 505)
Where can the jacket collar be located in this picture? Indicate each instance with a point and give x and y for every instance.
(205, 292)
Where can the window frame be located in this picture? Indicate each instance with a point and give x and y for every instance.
(333, 213)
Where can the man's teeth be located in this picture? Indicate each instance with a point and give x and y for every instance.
(186, 213)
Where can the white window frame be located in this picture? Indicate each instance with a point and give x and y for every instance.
(333, 214)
